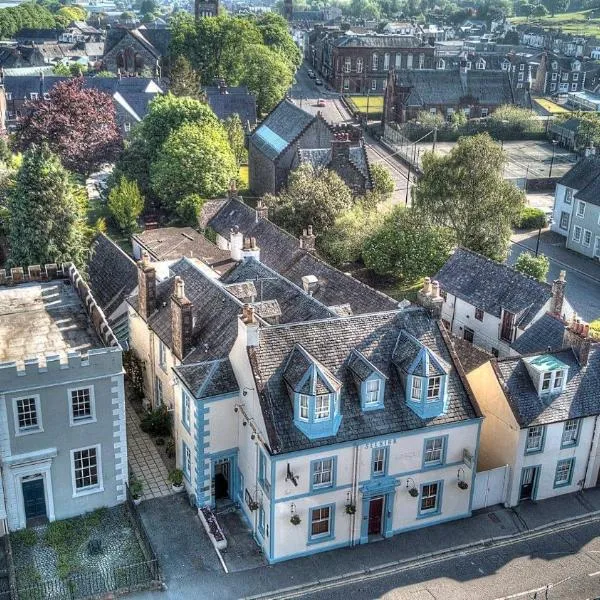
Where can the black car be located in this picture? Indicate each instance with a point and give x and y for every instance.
(318, 82)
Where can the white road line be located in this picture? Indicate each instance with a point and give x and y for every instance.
(594, 574)
(521, 594)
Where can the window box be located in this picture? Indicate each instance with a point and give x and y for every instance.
(212, 528)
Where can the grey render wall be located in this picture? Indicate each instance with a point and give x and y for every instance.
(589, 221)
(103, 372)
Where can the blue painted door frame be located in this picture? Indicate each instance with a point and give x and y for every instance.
(233, 481)
(387, 517)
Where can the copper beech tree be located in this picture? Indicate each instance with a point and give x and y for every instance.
(77, 123)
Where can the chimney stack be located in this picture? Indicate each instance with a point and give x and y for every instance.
(590, 150)
(248, 326)
(146, 287)
(558, 294)
(310, 283)
(236, 243)
(307, 239)
(232, 191)
(577, 337)
(262, 211)
(250, 249)
(182, 321)
(429, 297)
(340, 149)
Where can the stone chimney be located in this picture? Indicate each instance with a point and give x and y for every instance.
(250, 249)
(262, 211)
(340, 149)
(182, 321)
(558, 294)
(307, 239)
(236, 243)
(429, 297)
(577, 337)
(310, 283)
(248, 326)
(146, 287)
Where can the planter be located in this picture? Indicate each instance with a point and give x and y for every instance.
(350, 509)
(295, 520)
(414, 492)
(463, 485)
(177, 488)
(212, 528)
(137, 501)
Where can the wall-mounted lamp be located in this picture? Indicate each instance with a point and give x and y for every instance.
(246, 390)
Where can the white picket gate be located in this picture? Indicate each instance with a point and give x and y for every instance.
(490, 487)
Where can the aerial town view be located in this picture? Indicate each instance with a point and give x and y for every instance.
(300, 299)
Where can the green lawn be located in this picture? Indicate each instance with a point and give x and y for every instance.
(583, 22)
(551, 107)
(375, 104)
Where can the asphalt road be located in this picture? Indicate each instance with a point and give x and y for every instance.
(567, 562)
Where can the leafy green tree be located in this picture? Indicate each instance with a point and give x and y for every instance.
(148, 6)
(276, 35)
(46, 218)
(534, 266)
(430, 120)
(62, 70)
(237, 138)
(539, 10)
(310, 198)
(595, 329)
(406, 246)
(184, 81)
(125, 204)
(465, 191)
(513, 118)
(556, 6)
(72, 13)
(189, 208)
(195, 159)
(383, 183)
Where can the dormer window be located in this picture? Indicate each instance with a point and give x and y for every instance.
(548, 374)
(372, 396)
(417, 389)
(303, 413)
(322, 407)
(369, 380)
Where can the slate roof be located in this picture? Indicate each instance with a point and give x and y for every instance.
(439, 86)
(378, 41)
(208, 379)
(236, 100)
(581, 397)
(321, 157)
(281, 127)
(112, 274)
(332, 342)
(493, 286)
(156, 41)
(546, 332)
(281, 252)
(582, 174)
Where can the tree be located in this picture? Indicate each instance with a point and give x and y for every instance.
(534, 266)
(310, 198)
(68, 14)
(406, 246)
(237, 138)
(465, 190)
(513, 118)
(383, 183)
(539, 10)
(125, 204)
(556, 6)
(184, 81)
(276, 35)
(195, 159)
(46, 219)
(79, 124)
(148, 6)
(595, 329)
(430, 120)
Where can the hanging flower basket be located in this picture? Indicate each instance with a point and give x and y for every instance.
(350, 509)
(253, 505)
(463, 485)
(295, 520)
(414, 492)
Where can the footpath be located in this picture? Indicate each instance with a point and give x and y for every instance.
(496, 525)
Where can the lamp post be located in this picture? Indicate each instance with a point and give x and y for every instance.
(537, 244)
(554, 142)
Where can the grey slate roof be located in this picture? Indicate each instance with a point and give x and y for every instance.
(156, 41)
(493, 286)
(378, 41)
(331, 342)
(321, 157)
(112, 274)
(281, 127)
(581, 397)
(281, 252)
(208, 379)
(584, 176)
(437, 86)
(546, 332)
(237, 100)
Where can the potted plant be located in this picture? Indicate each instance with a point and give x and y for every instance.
(463, 485)
(350, 509)
(176, 479)
(136, 487)
(295, 519)
(412, 488)
(414, 492)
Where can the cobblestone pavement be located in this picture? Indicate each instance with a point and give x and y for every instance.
(145, 461)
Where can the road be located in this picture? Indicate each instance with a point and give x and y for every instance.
(568, 562)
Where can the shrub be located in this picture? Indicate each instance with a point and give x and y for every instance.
(157, 422)
(176, 477)
(24, 537)
(530, 218)
(595, 329)
(534, 266)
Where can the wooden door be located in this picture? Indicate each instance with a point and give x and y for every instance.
(375, 515)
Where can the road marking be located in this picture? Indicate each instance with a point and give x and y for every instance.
(521, 594)
(594, 574)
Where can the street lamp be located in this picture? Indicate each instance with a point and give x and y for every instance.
(537, 244)
(554, 142)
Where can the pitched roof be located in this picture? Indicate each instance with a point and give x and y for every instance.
(378, 41)
(236, 100)
(281, 127)
(208, 379)
(546, 333)
(156, 41)
(282, 252)
(332, 342)
(493, 286)
(582, 174)
(321, 157)
(581, 397)
(112, 274)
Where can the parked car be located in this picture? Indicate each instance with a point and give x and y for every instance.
(318, 82)
(311, 74)
(320, 102)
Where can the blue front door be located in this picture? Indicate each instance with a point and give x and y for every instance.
(34, 498)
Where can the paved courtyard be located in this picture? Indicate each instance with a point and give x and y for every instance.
(145, 461)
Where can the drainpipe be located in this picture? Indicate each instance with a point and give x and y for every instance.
(589, 457)
(354, 493)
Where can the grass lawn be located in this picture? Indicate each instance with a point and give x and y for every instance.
(242, 180)
(551, 107)
(583, 22)
(375, 105)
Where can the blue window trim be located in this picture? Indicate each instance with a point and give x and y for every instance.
(322, 486)
(558, 464)
(186, 468)
(262, 472)
(438, 508)
(185, 398)
(437, 463)
(380, 394)
(576, 442)
(541, 448)
(322, 538)
(386, 454)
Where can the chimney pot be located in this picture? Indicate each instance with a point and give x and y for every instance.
(182, 321)
(435, 289)
(576, 336)
(427, 285)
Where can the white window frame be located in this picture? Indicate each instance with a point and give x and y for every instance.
(127, 126)
(186, 409)
(98, 487)
(92, 418)
(375, 61)
(303, 403)
(539, 437)
(568, 196)
(359, 65)
(569, 476)
(319, 472)
(347, 64)
(565, 77)
(575, 77)
(417, 385)
(373, 85)
(38, 413)
(570, 427)
(162, 355)
(378, 461)
(346, 84)
(33, 95)
(187, 461)
(435, 452)
(424, 497)
(434, 383)
(573, 87)
(554, 76)
(587, 238)
(577, 233)
(398, 60)
(372, 395)
(485, 112)
(386, 61)
(323, 534)
(322, 413)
